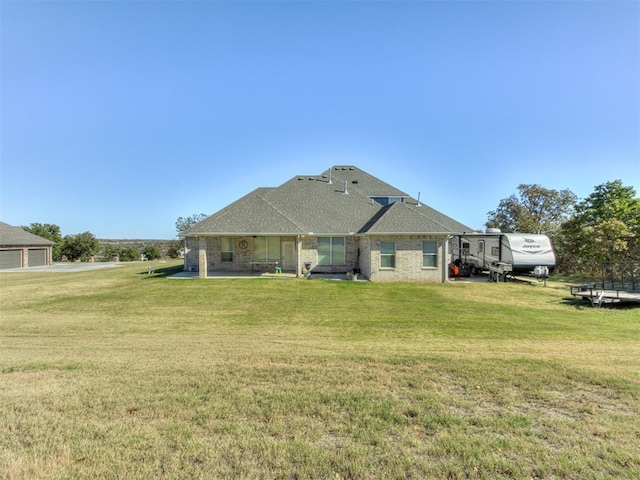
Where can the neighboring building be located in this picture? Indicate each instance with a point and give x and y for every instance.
(343, 220)
(19, 248)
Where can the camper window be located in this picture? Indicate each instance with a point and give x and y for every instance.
(495, 251)
(465, 248)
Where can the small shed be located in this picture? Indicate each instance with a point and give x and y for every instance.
(19, 248)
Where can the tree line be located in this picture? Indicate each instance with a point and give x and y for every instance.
(84, 246)
(603, 227)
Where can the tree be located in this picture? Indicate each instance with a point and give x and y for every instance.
(151, 252)
(110, 252)
(80, 247)
(535, 210)
(183, 223)
(50, 232)
(605, 228)
(175, 246)
(129, 254)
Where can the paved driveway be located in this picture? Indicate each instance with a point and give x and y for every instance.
(66, 267)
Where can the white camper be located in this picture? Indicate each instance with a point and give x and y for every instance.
(523, 251)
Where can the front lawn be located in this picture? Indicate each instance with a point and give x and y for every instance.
(120, 374)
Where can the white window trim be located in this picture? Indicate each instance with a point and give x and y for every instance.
(394, 255)
(435, 255)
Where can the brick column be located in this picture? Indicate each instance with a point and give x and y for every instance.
(202, 257)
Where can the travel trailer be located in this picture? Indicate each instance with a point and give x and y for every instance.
(524, 252)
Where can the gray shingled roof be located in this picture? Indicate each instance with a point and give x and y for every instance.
(409, 218)
(16, 237)
(310, 204)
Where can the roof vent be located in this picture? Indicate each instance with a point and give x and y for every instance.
(419, 204)
(329, 182)
(355, 182)
(345, 191)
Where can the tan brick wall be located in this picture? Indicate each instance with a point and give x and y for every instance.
(361, 252)
(242, 254)
(309, 253)
(191, 254)
(408, 260)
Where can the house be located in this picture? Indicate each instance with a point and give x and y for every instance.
(343, 220)
(19, 248)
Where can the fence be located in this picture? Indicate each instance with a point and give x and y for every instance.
(621, 276)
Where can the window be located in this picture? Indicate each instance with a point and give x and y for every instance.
(495, 251)
(331, 251)
(387, 255)
(226, 249)
(429, 254)
(266, 249)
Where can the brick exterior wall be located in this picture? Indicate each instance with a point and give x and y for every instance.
(408, 260)
(309, 253)
(361, 253)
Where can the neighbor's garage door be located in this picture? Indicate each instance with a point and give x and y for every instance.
(37, 257)
(10, 259)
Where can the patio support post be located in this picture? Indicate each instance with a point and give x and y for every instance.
(202, 257)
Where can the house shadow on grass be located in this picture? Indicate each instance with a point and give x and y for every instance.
(162, 272)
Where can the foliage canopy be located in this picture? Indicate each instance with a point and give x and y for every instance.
(81, 246)
(50, 232)
(183, 223)
(535, 210)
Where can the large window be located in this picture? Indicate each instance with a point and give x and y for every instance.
(266, 249)
(331, 251)
(387, 255)
(429, 254)
(226, 249)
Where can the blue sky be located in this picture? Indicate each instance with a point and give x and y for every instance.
(117, 117)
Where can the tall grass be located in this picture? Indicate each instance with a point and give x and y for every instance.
(120, 374)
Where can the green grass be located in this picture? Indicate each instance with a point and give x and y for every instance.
(118, 374)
